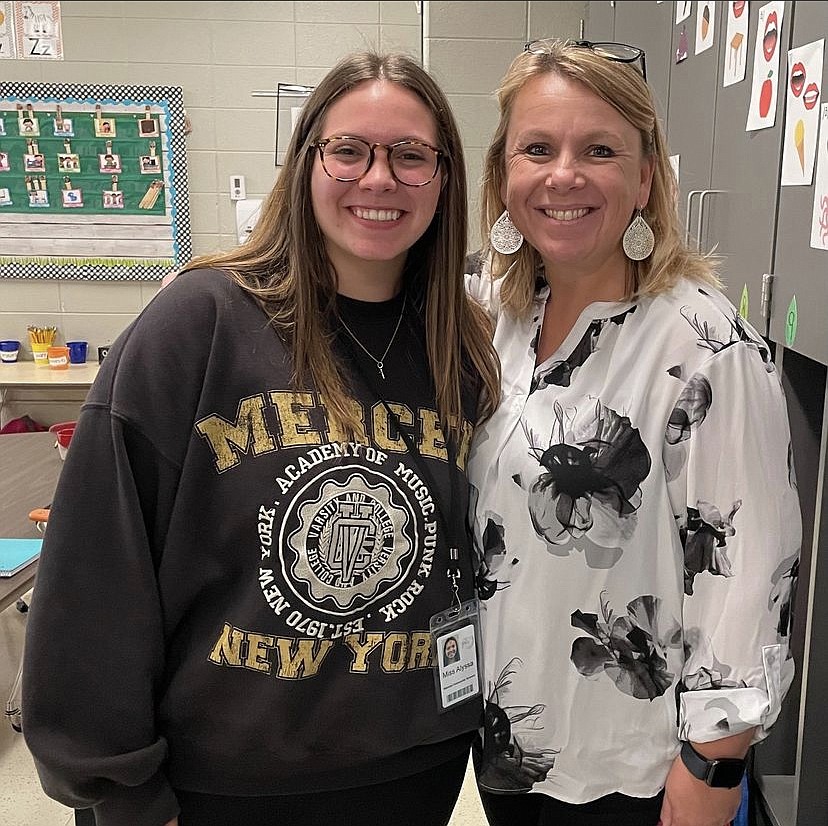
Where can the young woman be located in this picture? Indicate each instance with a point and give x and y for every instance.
(254, 525)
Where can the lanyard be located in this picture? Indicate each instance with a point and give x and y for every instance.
(446, 526)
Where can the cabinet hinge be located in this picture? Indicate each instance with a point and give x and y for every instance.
(767, 295)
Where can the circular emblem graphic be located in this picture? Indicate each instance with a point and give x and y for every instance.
(353, 540)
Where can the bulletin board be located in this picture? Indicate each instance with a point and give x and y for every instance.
(93, 181)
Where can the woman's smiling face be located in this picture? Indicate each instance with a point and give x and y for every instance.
(375, 219)
(574, 174)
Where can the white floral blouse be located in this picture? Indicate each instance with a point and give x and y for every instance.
(638, 531)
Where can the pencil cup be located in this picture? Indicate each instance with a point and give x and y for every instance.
(58, 358)
(41, 354)
(77, 351)
(9, 350)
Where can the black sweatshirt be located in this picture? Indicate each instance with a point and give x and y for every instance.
(232, 598)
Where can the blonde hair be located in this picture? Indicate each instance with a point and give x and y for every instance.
(623, 87)
(284, 263)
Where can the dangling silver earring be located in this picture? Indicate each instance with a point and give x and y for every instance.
(506, 238)
(638, 241)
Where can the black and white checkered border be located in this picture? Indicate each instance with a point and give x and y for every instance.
(85, 272)
(169, 97)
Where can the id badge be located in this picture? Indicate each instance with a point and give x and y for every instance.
(456, 654)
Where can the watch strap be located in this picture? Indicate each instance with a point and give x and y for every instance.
(719, 773)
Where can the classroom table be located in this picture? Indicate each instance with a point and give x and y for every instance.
(25, 375)
(29, 470)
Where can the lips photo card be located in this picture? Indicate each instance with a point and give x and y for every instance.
(765, 83)
(802, 113)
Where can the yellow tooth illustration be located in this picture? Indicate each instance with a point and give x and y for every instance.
(799, 141)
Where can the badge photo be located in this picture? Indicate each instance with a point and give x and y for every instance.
(113, 199)
(148, 128)
(4, 162)
(39, 198)
(150, 165)
(5, 197)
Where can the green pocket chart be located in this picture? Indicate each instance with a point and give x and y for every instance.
(93, 181)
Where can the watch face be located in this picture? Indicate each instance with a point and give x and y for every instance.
(725, 774)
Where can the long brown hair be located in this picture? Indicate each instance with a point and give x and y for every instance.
(623, 87)
(285, 266)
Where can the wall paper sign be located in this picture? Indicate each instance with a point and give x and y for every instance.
(765, 84)
(34, 163)
(37, 29)
(8, 47)
(28, 125)
(819, 220)
(791, 322)
(802, 113)
(683, 10)
(148, 125)
(70, 196)
(736, 38)
(62, 127)
(5, 198)
(705, 25)
(682, 48)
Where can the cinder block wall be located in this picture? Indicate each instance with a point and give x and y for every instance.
(220, 54)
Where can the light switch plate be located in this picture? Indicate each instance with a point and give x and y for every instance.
(237, 188)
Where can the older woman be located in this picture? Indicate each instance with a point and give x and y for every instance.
(636, 509)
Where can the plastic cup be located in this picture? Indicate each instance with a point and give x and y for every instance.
(41, 354)
(58, 357)
(77, 351)
(9, 350)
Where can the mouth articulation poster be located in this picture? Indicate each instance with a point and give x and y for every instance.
(765, 83)
(802, 113)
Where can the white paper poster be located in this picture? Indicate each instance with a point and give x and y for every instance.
(736, 39)
(765, 81)
(683, 10)
(819, 223)
(705, 25)
(38, 31)
(804, 80)
(7, 44)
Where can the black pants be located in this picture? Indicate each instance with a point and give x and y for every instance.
(424, 799)
(535, 809)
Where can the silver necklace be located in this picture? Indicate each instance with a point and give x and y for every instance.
(380, 362)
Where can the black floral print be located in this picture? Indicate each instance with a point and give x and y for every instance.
(594, 465)
(491, 559)
(507, 765)
(784, 581)
(690, 410)
(704, 536)
(739, 332)
(631, 650)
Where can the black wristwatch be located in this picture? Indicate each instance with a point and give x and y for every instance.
(724, 773)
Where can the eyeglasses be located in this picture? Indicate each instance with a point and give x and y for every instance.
(619, 52)
(413, 163)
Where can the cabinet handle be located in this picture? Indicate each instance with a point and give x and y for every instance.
(702, 197)
(690, 195)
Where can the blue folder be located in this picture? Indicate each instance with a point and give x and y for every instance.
(16, 554)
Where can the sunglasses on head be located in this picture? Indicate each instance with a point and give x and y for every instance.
(618, 52)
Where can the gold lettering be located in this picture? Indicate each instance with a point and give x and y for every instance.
(228, 439)
(361, 649)
(295, 423)
(302, 662)
(337, 434)
(382, 426)
(258, 647)
(229, 647)
(420, 654)
(395, 652)
(465, 444)
(433, 443)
